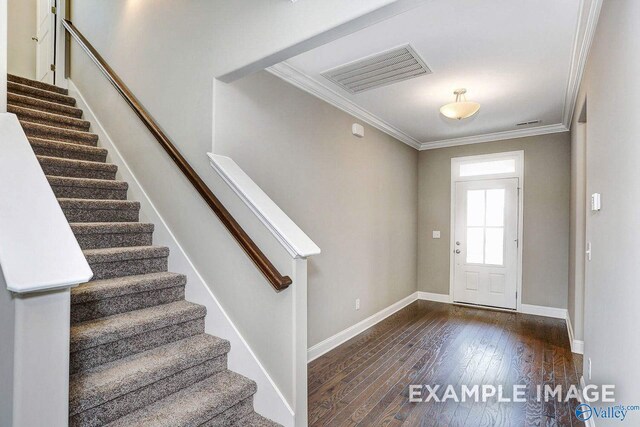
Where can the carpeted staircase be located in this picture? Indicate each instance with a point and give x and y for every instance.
(139, 354)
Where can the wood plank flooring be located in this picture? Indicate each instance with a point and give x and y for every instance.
(365, 381)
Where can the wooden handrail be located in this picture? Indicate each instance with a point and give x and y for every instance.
(277, 280)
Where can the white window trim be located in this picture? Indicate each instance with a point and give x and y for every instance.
(455, 177)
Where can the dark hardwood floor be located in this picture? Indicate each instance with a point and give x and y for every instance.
(365, 381)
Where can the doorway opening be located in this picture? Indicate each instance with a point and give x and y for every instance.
(486, 224)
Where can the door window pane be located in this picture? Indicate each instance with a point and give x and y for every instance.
(495, 207)
(475, 208)
(475, 245)
(491, 167)
(494, 245)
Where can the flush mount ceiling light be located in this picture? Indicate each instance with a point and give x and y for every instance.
(461, 108)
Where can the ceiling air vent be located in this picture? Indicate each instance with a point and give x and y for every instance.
(379, 70)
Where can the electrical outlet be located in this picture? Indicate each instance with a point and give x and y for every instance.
(589, 369)
(436, 234)
(357, 303)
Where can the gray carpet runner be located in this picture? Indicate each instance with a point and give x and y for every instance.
(139, 354)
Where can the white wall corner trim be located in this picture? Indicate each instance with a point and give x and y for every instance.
(300, 80)
(540, 310)
(290, 236)
(581, 47)
(591, 422)
(269, 400)
(345, 335)
(577, 346)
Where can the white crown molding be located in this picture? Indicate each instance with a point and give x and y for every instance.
(580, 54)
(299, 79)
(581, 48)
(496, 136)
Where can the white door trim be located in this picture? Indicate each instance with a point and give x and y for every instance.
(455, 177)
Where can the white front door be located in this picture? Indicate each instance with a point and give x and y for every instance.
(45, 51)
(486, 242)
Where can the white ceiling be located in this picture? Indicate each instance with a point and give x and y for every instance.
(515, 57)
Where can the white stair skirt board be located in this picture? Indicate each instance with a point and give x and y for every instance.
(268, 401)
(577, 346)
(345, 335)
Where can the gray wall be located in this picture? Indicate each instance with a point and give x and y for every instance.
(21, 27)
(546, 215)
(356, 198)
(613, 150)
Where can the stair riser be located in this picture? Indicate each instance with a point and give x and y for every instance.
(228, 417)
(58, 134)
(114, 240)
(65, 123)
(110, 270)
(68, 153)
(40, 105)
(101, 215)
(144, 396)
(84, 360)
(55, 170)
(40, 94)
(110, 306)
(72, 192)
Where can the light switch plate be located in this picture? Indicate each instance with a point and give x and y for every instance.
(596, 203)
(436, 234)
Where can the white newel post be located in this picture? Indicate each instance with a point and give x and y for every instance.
(41, 359)
(40, 261)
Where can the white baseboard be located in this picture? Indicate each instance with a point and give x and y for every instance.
(428, 296)
(577, 346)
(541, 310)
(268, 401)
(345, 335)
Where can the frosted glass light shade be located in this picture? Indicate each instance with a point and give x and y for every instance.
(460, 110)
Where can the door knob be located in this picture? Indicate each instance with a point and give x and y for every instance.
(457, 243)
(457, 251)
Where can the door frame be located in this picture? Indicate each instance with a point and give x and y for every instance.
(518, 156)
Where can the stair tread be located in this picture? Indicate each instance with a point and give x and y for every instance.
(119, 286)
(75, 163)
(43, 105)
(87, 182)
(55, 97)
(113, 328)
(48, 116)
(125, 253)
(71, 203)
(65, 134)
(193, 405)
(37, 84)
(255, 420)
(111, 227)
(110, 380)
(65, 145)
